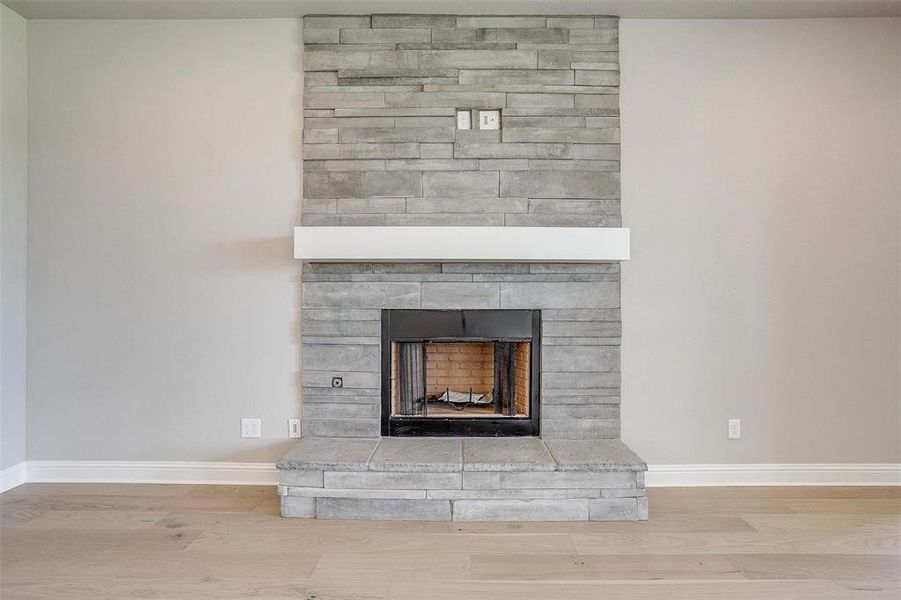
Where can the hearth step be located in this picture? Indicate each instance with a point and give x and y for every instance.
(463, 479)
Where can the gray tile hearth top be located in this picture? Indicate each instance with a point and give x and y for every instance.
(443, 455)
(417, 454)
(346, 454)
(594, 455)
(506, 454)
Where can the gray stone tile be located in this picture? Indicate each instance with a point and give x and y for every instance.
(339, 100)
(552, 184)
(561, 220)
(506, 454)
(414, 21)
(573, 135)
(345, 220)
(467, 99)
(325, 357)
(588, 381)
(361, 184)
(476, 59)
(595, 151)
(436, 111)
(615, 509)
(417, 454)
(596, 77)
(393, 480)
(361, 295)
(356, 151)
(328, 453)
(313, 492)
(321, 35)
(373, 63)
(432, 164)
(522, 494)
(580, 358)
(601, 294)
(298, 507)
(594, 455)
(463, 22)
(525, 34)
(540, 100)
(436, 150)
(385, 35)
(394, 510)
(375, 135)
(571, 22)
(362, 428)
(467, 205)
(506, 480)
(593, 36)
(580, 411)
(437, 295)
(444, 219)
(310, 479)
(353, 380)
(580, 429)
(511, 150)
(491, 77)
(522, 510)
(343, 165)
(370, 205)
(335, 22)
(341, 410)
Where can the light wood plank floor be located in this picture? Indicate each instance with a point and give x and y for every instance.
(196, 542)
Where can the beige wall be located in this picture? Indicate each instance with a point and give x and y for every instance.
(164, 187)
(13, 216)
(761, 182)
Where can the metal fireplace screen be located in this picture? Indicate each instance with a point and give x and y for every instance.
(465, 372)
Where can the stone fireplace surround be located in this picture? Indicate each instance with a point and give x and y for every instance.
(381, 148)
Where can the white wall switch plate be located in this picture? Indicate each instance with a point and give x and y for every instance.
(734, 429)
(489, 119)
(294, 428)
(464, 119)
(251, 428)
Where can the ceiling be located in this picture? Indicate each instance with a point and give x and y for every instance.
(661, 9)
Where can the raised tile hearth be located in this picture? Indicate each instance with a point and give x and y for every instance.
(463, 479)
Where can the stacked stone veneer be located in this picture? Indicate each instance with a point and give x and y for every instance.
(381, 148)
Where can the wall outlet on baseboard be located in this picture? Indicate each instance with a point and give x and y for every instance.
(251, 428)
(294, 428)
(734, 429)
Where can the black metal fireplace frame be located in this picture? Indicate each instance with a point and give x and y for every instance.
(462, 326)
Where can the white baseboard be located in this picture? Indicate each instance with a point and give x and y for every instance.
(773, 474)
(64, 471)
(13, 476)
(76, 471)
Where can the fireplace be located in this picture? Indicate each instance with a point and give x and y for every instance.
(460, 372)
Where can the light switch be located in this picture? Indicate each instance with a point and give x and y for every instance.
(489, 119)
(464, 119)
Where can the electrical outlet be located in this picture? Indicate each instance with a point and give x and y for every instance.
(464, 119)
(251, 428)
(294, 428)
(734, 429)
(489, 119)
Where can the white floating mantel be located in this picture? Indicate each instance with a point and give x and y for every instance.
(461, 244)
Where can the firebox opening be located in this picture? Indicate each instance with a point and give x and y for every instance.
(461, 372)
(460, 379)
